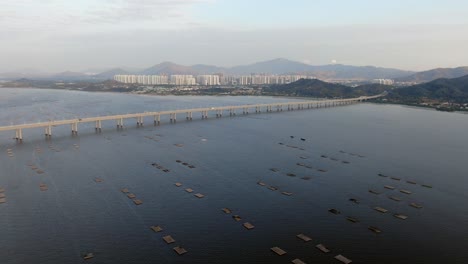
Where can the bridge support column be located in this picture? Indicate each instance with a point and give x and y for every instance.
(74, 128)
(48, 131)
(157, 120)
(140, 121)
(98, 126)
(120, 123)
(19, 134)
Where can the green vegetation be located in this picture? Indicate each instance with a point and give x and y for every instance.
(317, 88)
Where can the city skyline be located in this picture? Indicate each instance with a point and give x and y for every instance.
(75, 36)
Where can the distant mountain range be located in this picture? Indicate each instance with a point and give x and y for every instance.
(427, 76)
(321, 89)
(453, 90)
(276, 66)
(282, 66)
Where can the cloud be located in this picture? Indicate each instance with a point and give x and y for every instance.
(86, 14)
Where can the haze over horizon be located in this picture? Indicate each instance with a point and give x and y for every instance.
(55, 36)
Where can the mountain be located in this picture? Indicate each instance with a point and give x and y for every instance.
(168, 68)
(69, 76)
(452, 90)
(110, 73)
(208, 69)
(324, 72)
(282, 66)
(427, 76)
(276, 66)
(339, 71)
(318, 88)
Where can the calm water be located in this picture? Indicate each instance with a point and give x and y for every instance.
(77, 215)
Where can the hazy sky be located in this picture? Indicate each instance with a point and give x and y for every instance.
(59, 35)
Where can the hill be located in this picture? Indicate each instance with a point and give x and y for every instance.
(318, 88)
(451, 90)
(324, 72)
(278, 66)
(110, 73)
(168, 68)
(427, 76)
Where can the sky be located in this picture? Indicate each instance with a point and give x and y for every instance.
(93, 35)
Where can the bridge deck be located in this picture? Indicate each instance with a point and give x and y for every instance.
(179, 111)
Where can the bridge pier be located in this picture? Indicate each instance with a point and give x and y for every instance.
(98, 126)
(189, 116)
(157, 120)
(204, 114)
(48, 131)
(173, 117)
(74, 128)
(19, 135)
(120, 123)
(140, 121)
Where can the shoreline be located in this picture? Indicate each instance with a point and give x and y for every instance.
(416, 106)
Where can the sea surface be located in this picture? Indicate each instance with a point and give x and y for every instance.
(63, 196)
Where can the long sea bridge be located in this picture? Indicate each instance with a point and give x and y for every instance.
(172, 114)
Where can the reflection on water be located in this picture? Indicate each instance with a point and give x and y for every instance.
(228, 190)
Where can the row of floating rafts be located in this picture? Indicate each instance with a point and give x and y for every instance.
(408, 181)
(186, 164)
(43, 187)
(160, 167)
(302, 139)
(10, 153)
(291, 174)
(189, 190)
(354, 220)
(2, 195)
(352, 154)
(335, 159)
(377, 208)
(310, 167)
(395, 198)
(238, 218)
(390, 188)
(51, 147)
(291, 146)
(35, 168)
(169, 240)
(131, 196)
(280, 252)
(274, 188)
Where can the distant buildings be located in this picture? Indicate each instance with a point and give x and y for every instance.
(383, 81)
(182, 80)
(209, 80)
(143, 79)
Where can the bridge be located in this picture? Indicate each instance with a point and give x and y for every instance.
(156, 116)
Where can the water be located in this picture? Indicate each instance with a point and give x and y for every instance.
(76, 215)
